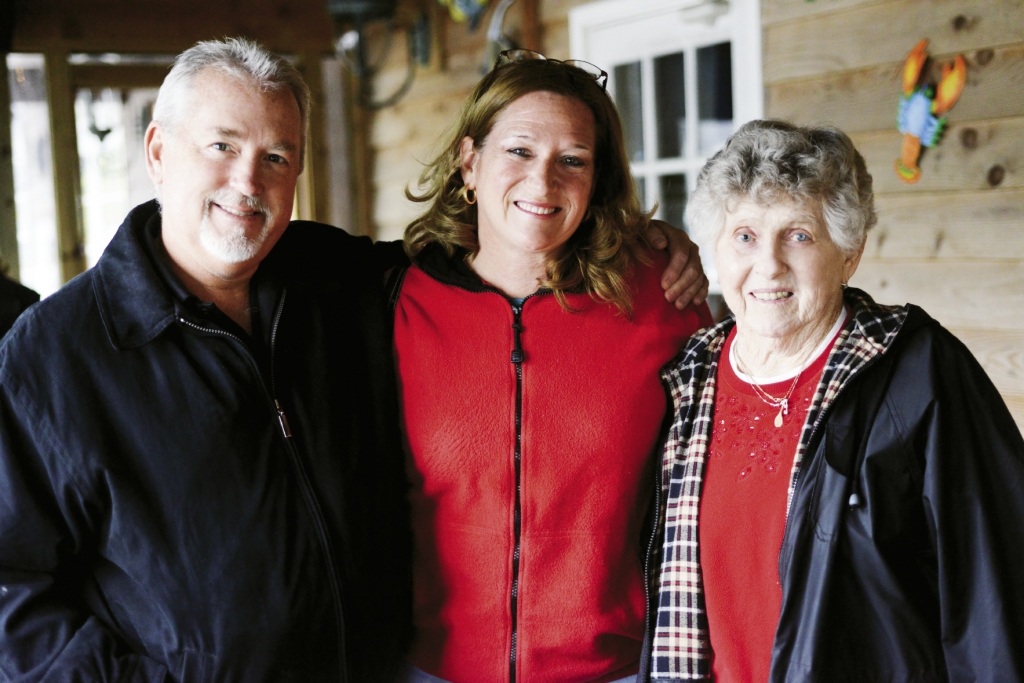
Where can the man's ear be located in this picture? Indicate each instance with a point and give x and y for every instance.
(154, 144)
(468, 162)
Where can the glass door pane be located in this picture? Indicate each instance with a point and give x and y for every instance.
(673, 198)
(111, 126)
(629, 100)
(103, 167)
(714, 96)
(32, 158)
(669, 82)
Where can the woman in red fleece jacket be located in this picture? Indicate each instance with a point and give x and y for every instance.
(529, 333)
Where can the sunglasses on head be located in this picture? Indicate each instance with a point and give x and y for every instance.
(592, 70)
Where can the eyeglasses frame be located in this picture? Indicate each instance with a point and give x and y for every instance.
(601, 77)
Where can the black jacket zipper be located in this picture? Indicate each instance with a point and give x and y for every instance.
(308, 494)
(517, 357)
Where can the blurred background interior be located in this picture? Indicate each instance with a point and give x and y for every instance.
(389, 75)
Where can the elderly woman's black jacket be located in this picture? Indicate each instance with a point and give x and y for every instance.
(904, 547)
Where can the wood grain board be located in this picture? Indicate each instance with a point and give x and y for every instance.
(997, 154)
(884, 33)
(398, 166)
(867, 99)
(556, 39)
(776, 11)
(972, 294)
(415, 124)
(60, 98)
(558, 10)
(1001, 353)
(1016, 406)
(949, 226)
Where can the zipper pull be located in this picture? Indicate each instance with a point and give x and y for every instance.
(517, 349)
(282, 420)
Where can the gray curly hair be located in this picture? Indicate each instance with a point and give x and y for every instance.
(770, 161)
(241, 58)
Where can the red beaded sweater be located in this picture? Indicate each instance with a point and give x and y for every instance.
(743, 512)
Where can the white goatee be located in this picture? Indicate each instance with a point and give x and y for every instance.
(233, 245)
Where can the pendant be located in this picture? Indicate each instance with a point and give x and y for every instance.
(778, 418)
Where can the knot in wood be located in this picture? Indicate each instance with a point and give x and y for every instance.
(996, 175)
(969, 138)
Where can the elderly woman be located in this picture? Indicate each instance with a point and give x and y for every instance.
(529, 334)
(843, 486)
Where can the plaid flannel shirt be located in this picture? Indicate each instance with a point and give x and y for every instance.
(681, 649)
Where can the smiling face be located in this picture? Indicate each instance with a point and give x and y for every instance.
(781, 273)
(533, 176)
(226, 175)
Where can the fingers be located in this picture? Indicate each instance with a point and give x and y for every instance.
(695, 294)
(680, 253)
(683, 280)
(691, 285)
(656, 232)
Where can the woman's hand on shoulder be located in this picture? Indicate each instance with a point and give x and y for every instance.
(684, 281)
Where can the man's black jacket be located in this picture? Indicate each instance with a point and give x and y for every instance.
(161, 520)
(14, 299)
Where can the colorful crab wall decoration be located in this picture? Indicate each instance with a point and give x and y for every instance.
(466, 10)
(922, 105)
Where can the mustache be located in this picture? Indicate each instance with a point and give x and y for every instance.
(231, 198)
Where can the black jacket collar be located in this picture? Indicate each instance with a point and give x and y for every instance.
(450, 270)
(455, 270)
(135, 302)
(139, 295)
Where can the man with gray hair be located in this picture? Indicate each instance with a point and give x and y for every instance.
(201, 475)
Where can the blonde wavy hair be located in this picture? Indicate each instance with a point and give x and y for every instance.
(601, 253)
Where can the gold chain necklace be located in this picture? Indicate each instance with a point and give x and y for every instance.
(781, 403)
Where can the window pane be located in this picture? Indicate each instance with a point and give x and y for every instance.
(673, 198)
(111, 126)
(641, 192)
(103, 167)
(671, 110)
(628, 99)
(34, 204)
(714, 96)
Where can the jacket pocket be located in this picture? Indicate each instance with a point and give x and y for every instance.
(196, 667)
(832, 490)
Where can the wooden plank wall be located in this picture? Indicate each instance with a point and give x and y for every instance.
(954, 242)
(400, 139)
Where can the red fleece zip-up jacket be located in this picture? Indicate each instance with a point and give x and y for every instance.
(530, 431)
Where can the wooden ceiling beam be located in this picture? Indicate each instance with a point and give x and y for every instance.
(169, 27)
(124, 76)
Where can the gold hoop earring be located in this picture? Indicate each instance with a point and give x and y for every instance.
(469, 194)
